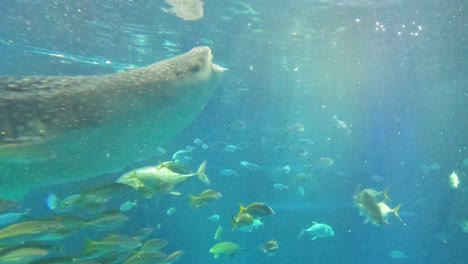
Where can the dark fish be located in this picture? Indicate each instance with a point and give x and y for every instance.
(256, 210)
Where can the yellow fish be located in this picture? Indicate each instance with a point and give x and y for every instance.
(207, 196)
(29, 230)
(242, 220)
(256, 210)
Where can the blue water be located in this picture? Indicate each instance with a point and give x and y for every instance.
(395, 72)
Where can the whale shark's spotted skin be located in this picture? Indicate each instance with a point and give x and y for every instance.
(65, 128)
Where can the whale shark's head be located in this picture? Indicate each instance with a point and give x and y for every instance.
(190, 78)
(201, 65)
(194, 65)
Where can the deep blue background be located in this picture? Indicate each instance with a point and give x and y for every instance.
(404, 95)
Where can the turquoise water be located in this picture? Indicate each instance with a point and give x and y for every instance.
(379, 87)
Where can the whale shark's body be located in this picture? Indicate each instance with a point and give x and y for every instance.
(56, 129)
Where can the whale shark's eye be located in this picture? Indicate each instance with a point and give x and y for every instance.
(195, 68)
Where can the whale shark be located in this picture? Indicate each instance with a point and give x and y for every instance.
(61, 129)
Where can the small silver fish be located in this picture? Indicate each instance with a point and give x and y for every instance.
(318, 230)
(214, 218)
(198, 142)
(280, 186)
(127, 206)
(286, 169)
(231, 148)
(182, 156)
(250, 166)
(341, 125)
(171, 211)
(228, 172)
